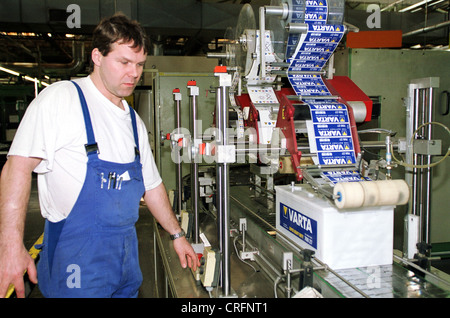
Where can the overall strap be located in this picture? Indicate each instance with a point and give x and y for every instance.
(91, 146)
(135, 133)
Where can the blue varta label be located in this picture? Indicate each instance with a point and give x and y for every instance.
(330, 116)
(332, 130)
(337, 158)
(344, 176)
(302, 226)
(334, 144)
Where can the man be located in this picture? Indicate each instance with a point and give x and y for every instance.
(94, 164)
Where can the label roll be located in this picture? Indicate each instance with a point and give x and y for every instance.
(350, 195)
(393, 192)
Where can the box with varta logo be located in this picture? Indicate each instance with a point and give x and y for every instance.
(345, 238)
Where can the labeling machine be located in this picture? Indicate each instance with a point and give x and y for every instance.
(281, 199)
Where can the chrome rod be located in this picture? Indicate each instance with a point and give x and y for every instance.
(194, 169)
(226, 197)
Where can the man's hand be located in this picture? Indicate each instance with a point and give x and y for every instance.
(14, 261)
(15, 184)
(159, 205)
(186, 253)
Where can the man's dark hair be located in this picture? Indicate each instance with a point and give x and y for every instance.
(119, 28)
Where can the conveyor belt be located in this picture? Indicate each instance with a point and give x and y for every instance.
(388, 281)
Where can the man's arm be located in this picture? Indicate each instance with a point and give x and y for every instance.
(159, 205)
(15, 185)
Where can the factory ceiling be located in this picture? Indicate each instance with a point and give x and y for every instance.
(36, 38)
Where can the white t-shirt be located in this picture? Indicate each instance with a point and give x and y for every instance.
(53, 129)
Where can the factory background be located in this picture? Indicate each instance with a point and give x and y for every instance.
(398, 42)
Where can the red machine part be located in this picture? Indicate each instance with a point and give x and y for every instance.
(340, 86)
(244, 101)
(345, 88)
(348, 91)
(285, 122)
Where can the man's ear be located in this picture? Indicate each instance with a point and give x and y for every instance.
(96, 57)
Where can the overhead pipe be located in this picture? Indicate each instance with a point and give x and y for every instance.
(56, 69)
(428, 29)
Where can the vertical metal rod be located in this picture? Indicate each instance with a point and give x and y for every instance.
(226, 209)
(420, 121)
(409, 172)
(194, 165)
(223, 215)
(262, 38)
(415, 170)
(428, 171)
(219, 177)
(422, 162)
(420, 112)
(421, 196)
(179, 185)
(179, 174)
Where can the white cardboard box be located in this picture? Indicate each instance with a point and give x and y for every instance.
(346, 238)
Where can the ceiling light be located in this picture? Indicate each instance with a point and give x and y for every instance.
(35, 80)
(26, 77)
(434, 3)
(7, 70)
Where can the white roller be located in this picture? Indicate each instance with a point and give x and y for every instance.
(359, 110)
(348, 195)
(404, 192)
(393, 192)
(370, 193)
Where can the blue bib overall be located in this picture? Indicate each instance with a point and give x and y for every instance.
(94, 251)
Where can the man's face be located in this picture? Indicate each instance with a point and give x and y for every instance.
(120, 70)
